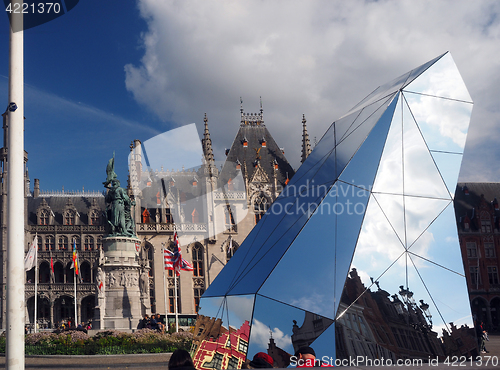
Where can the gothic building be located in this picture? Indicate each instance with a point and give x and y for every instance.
(215, 208)
(219, 206)
(478, 220)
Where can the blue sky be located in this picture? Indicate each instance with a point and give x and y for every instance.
(109, 72)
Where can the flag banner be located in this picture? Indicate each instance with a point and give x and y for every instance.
(75, 258)
(29, 260)
(173, 260)
(52, 274)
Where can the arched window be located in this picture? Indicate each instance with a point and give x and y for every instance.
(69, 273)
(85, 272)
(232, 247)
(198, 260)
(44, 273)
(94, 218)
(62, 245)
(198, 292)
(43, 217)
(99, 242)
(260, 205)
(69, 217)
(195, 217)
(49, 243)
(76, 239)
(229, 219)
(59, 272)
(40, 243)
(89, 243)
(146, 216)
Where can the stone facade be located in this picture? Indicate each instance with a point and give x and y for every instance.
(61, 218)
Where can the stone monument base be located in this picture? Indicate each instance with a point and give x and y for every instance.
(119, 305)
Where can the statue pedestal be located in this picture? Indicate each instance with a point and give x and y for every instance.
(118, 305)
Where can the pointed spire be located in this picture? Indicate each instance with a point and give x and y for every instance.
(306, 145)
(207, 144)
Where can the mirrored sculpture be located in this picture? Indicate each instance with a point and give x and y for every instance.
(359, 255)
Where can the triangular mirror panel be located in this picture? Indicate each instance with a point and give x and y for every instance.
(421, 176)
(442, 79)
(443, 123)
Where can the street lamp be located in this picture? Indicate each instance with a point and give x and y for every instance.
(425, 309)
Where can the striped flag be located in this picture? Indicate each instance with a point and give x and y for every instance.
(75, 258)
(173, 260)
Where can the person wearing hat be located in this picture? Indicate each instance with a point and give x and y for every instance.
(305, 357)
(261, 360)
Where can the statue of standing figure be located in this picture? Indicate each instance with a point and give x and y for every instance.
(118, 205)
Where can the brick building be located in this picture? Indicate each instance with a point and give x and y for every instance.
(478, 221)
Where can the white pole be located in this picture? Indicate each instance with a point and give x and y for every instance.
(36, 282)
(165, 292)
(76, 318)
(176, 308)
(15, 198)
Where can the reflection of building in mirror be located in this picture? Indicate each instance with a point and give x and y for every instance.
(478, 219)
(219, 347)
(377, 324)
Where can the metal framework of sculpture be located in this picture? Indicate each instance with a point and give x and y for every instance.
(368, 215)
(118, 205)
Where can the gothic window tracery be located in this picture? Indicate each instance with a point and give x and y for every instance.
(94, 217)
(62, 244)
(43, 218)
(89, 243)
(49, 243)
(232, 247)
(69, 217)
(197, 254)
(260, 206)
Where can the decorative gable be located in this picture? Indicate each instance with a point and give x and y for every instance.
(44, 214)
(259, 175)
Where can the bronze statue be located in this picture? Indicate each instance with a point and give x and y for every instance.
(118, 205)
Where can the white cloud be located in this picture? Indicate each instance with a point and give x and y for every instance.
(260, 336)
(314, 57)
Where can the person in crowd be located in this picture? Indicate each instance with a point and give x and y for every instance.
(482, 336)
(159, 324)
(306, 357)
(261, 360)
(143, 324)
(181, 360)
(153, 324)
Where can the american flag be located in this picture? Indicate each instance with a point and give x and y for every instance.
(174, 261)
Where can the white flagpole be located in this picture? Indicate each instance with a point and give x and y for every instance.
(176, 307)
(15, 305)
(36, 278)
(76, 318)
(165, 292)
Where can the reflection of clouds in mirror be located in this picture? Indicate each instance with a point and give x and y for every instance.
(421, 176)
(260, 336)
(377, 241)
(441, 120)
(313, 301)
(240, 309)
(442, 79)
